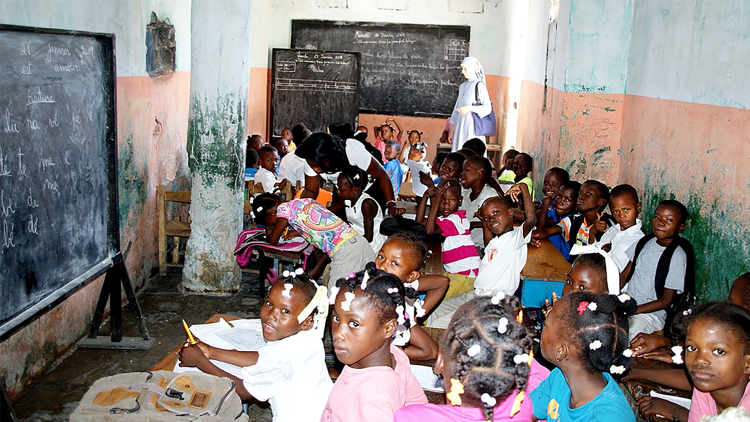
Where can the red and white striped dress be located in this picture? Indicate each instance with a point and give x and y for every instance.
(460, 256)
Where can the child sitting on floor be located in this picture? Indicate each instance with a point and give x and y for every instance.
(564, 206)
(368, 310)
(362, 212)
(585, 336)
(660, 268)
(460, 258)
(347, 249)
(625, 207)
(393, 166)
(290, 370)
(404, 255)
(486, 361)
(266, 175)
(505, 255)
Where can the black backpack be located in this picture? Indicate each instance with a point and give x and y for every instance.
(576, 222)
(684, 300)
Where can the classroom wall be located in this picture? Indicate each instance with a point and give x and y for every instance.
(652, 93)
(149, 154)
(491, 23)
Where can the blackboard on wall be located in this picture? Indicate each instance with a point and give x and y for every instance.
(411, 70)
(317, 88)
(58, 167)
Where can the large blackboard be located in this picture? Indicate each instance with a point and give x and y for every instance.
(411, 70)
(58, 189)
(316, 88)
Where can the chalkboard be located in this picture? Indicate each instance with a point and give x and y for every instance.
(316, 88)
(58, 170)
(411, 70)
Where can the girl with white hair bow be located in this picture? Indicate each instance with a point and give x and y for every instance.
(472, 98)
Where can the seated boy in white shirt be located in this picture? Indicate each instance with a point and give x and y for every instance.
(505, 253)
(625, 207)
(266, 175)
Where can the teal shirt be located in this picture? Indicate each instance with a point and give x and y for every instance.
(551, 400)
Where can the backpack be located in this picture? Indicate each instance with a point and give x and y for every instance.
(160, 396)
(576, 222)
(684, 300)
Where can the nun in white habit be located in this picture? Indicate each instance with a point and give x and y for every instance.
(469, 101)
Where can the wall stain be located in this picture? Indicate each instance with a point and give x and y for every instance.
(132, 177)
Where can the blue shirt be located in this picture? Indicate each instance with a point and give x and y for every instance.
(393, 168)
(250, 173)
(551, 400)
(558, 240)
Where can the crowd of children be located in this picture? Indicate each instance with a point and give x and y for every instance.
(623, 290)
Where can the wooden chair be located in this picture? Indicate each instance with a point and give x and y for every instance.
(174, 228)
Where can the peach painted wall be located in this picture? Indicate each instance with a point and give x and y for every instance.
(697, 154)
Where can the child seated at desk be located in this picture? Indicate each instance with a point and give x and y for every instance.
(522, 165)
(476, 190)
(281, 145)
(392, 166)
(460, 257)
(506, 171)
(362, 212)
(486, 361)
(451, 168)
(290, 370)
(505, 255)
(266, 175)
(564, 207)
(251, 164)
(660, 266)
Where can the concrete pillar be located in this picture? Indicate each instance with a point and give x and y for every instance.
(220, 68)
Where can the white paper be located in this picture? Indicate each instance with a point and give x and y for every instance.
(680, 401)
(415, 167)
(426, 378)
(247, 335)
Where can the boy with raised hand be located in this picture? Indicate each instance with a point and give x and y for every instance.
(505, 253)
(625, 207)
(660, 268)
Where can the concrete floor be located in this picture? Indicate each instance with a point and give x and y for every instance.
(164, 305)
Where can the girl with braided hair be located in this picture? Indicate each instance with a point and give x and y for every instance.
(586, 337)
(486, 359)
(369, 310)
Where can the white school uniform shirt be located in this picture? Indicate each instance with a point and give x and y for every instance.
(291, 375)
(354, 215)
(641, 286)
(621, 241)
(356, 154)
(292, 168)
(267, 179)
(477, 236)
(504, 258)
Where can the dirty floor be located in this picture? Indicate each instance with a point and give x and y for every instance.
(56, 395)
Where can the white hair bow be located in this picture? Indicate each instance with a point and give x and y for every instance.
(613, 274)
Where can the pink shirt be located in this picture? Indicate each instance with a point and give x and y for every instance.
(443, 412)
(373, 394)
(460, 256)
(703, 404)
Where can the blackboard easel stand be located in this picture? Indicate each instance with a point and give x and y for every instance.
(6, 408)
(116, 276)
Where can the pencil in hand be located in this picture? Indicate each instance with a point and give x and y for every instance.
(187, 330)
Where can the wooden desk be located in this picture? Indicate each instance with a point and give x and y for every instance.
(545, 271)
(168, 363)
(490, 147)
(641, 388)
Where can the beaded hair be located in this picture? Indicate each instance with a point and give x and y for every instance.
(262, 203)
(598, 324)
(384, 292)
(488, 350)
(300, 282)
(418, 247)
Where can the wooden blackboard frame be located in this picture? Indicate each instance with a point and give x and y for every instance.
(274, 76)
(299, 25)
(24, 317)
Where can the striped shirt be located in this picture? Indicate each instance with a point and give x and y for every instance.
(459, 253)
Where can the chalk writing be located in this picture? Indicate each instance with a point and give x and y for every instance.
(6, 205)
(21, 165)
(9, 125)
(32, 226)
(32, 124)
(46, 162)
(56, 51)
(26, 69)
(54, 122)
(25, 49)
(37, 97)
(4, 165)
(51, 186)
(87, 51)
(30, 201)
(67, 68)
(8, 235)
